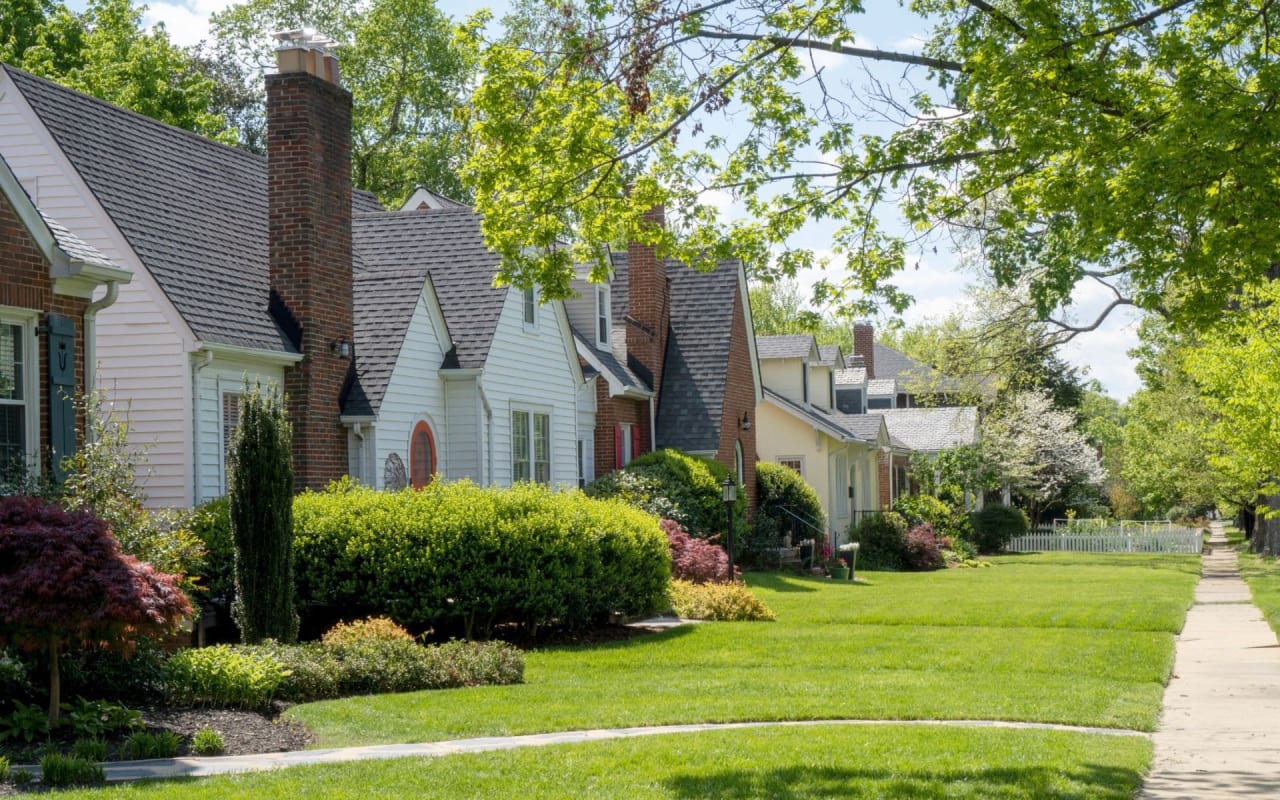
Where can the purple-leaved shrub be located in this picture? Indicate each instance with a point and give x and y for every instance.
(923, 552)
(693, 559)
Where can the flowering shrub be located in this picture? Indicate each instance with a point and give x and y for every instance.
(372, 629)
(922, 552)
(723, 602)
(695, 560)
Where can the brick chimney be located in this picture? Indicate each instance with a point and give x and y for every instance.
(648, 306)
(309, 196)
(864, 339)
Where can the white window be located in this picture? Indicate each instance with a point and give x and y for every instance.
(19, 415)
(804, 373)
(602, 316)
(530, 307)
(530, 446)
(793, 462)
(737, 463)
(230, 419)
(842, 486)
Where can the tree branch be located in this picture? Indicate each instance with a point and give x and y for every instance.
(1138, 22)
(817, 44)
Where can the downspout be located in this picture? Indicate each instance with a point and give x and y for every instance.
(196, 368)
(653, 423)
(90, 337)
(488, 414)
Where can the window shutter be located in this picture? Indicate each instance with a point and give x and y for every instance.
(62, 392)
(635, 440)
(617, 447)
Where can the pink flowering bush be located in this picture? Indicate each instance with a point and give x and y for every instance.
(693, 559)
(923, 553)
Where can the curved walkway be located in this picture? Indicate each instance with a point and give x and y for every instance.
(222, 765)
(1219, 734)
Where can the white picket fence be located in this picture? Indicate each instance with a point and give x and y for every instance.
(1112, 540)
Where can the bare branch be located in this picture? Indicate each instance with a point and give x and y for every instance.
(1000, 15)
(875, 54)
(1138, 22)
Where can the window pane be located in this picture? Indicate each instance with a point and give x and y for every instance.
(520, 445)
(542, 447)
(528, 306)
(602, 315)
(230, 419)
(10, 362)
(13, 436)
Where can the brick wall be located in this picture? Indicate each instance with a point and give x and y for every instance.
(309, 192)
(610, 412)
(739, 399)
(886, 481)
(25, 284)
(648, 314)
(864, 338)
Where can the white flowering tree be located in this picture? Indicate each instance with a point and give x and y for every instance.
(1040, 451)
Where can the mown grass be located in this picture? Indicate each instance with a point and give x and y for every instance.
(794, 763)
(1263, 577)
(1075, 639)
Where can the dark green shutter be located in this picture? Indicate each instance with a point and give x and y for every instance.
(62, 392)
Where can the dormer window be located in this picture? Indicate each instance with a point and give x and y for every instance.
(530, 307)
(602, 316)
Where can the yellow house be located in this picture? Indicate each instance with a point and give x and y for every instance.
(798, 426)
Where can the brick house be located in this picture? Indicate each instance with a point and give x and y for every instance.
(48, 281)
(674, 352)
(400, 359)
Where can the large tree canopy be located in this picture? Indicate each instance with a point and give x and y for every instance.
(1119, 140)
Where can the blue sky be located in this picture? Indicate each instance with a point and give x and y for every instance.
(934, 279)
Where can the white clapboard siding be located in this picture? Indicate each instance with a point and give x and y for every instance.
(463, 430)
(221, 376)
(414, 393)
(531, 370)
(141, 342)
(1176, 540)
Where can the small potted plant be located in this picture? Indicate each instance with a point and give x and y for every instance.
(839, 568)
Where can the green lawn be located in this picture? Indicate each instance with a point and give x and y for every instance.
(786, 763)
(1263, 577)
(1056, 638)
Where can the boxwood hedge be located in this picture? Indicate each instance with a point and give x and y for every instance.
(456, 554)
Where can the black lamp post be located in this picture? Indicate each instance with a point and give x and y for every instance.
(729, 494)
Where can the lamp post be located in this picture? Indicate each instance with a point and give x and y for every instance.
(729, 494)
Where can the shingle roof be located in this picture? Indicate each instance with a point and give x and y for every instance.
(610, 362)
(881, 386)
(384, 302)
(830, 355)
(193, 210)
(911, 375)
(847, 377)
(816, 417)
(798, 345)
(75, 247)
(445, 243)
(933, 429)
(864, 426)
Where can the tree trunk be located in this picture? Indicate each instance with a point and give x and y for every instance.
(55, 683)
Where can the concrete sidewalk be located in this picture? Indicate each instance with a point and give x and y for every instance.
(1219, 734)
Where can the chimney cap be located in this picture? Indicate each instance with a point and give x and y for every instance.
(305, 38)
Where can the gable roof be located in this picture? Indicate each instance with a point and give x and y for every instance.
(867, 427)
(790, 345)
(383, 303)
(933, 429)
(816, 417)
(193, 210)
(447, 245)
(881, 387)
(830, 355)
(608, 364)
(851, 377)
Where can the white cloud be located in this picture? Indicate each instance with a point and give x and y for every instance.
(187, 23)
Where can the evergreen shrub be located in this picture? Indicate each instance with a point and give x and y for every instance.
(995, 525)
(782, 489)
(883, 540)
(455, 554)
(947, 522)
(678, 486)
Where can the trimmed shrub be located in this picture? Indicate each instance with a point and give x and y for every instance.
(260, 488)
(458, 554)
(211, 523)
(313, 671)
(223, 677)
(59, 770)
(695, 560)
(722, 602)
(995, 525)
(921, 552)
(883, 540)
(379, 629)
(783, 488)
(684, 488)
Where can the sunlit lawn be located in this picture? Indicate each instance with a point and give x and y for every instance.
(1065, 638)
(788, 763)
(1263, 577)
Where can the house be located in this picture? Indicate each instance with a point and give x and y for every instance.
(800, 427)
(52, 287)
(398, 357)
(674, 353)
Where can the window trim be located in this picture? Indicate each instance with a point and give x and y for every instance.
(531, 463)
(787, 461)
(739, 463)
(224, 440)
(27, 319)
(529, 309)
(603, 313)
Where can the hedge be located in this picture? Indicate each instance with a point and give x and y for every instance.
(675, 485)
(783, 488)
(459, 554)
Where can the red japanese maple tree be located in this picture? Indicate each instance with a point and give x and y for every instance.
(63, 578)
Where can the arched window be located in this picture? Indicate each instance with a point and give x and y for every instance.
(422, 455)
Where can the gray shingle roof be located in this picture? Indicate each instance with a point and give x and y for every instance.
(797, 345)
(911, 375)
(864, 426)
(933, 429)
(881, 386)
(616, 369)
(193, 210)
(851, 377)
(816, 417)
(384, 302)
(76, 248)
(831, 355)
(446, 244)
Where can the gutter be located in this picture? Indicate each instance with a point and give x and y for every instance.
(90, 332)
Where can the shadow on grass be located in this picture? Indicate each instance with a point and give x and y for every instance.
(784, 581)
(791, 783)
(642, 639)
(1177, 563)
